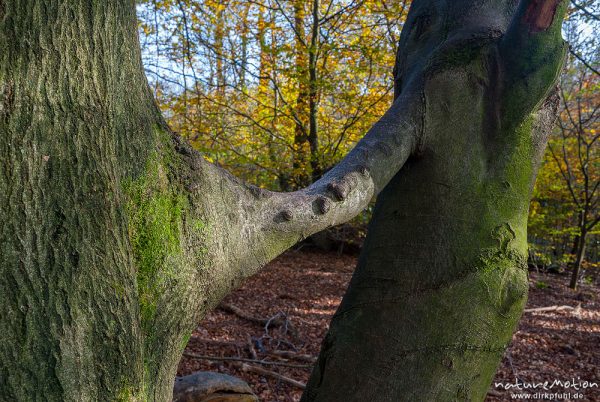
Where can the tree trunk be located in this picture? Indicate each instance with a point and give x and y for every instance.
(73, 94)
(442, 278)
(301, 158)
(313, 134)
(219, 36)
(578, 260)
(244, 28)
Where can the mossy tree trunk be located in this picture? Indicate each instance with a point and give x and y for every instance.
(116, 237)
(442, 278)
(72, 95)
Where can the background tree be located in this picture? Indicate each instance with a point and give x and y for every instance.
(564, 213)
(316, 76)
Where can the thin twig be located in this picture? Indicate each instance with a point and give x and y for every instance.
(241, 359)
(585, 63)
(262, 371)
(493, 392)
(251, 349)
(291, 355)
(550, 308)
(215, 342)
(278, 320)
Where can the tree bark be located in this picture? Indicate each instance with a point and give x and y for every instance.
(76, 115)
(442, 278)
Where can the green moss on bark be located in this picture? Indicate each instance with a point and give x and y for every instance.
(154, 213)
(168, 238)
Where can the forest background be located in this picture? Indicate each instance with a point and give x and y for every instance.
(278, 91)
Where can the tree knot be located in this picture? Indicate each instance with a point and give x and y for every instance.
(339, 190)
(323, 205)
(286, 215)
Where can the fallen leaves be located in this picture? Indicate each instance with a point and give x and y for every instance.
(305, 288)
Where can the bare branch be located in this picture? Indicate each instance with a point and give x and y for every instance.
(241, 359)
(582, 60)
(259, 370)
(585, 11)
(262, 224)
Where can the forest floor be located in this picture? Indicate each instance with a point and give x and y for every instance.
(284, 312)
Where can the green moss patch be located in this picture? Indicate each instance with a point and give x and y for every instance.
(155, 213)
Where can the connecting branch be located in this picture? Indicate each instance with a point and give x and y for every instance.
(254, 225)
(272, 222)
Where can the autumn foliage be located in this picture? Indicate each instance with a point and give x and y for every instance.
(279, 91)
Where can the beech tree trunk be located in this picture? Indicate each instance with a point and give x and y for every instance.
(442, 278)
(116, 237)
